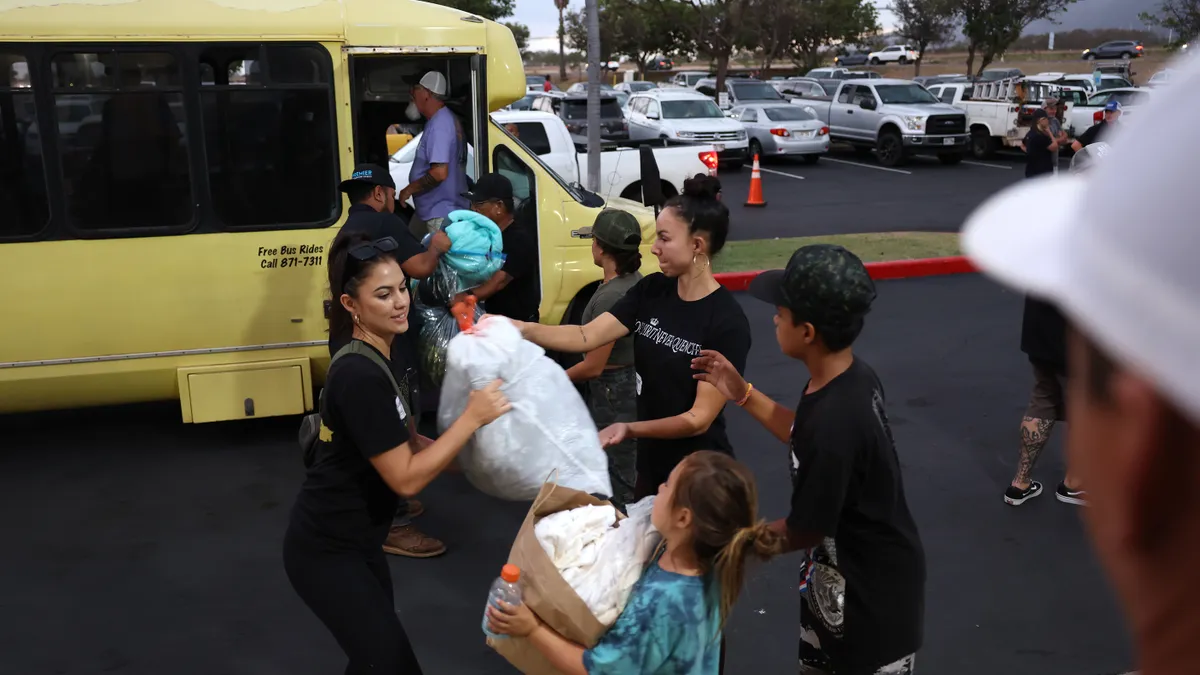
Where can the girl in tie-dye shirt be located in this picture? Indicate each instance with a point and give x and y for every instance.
(707, 514)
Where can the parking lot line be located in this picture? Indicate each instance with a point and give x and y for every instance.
(865, 166)
(781, 173)
(990, 166)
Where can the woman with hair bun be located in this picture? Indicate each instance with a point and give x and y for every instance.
(671, 315)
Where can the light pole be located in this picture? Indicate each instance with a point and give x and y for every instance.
(593, 97)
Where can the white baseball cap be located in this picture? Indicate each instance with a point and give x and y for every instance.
(1116, 249)
(434, 82)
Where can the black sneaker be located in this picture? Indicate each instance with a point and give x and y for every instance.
(1068, 496)
(1015, 496)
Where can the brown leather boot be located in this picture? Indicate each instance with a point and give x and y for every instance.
(408, 541)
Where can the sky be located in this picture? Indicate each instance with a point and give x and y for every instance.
(542, 18)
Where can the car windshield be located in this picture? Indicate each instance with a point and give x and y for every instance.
(533, 79)
(525, 103)
(904, 94)
(754, 91)
(576, 109)
(789, 114)
(622, 98)
(641, 86)
(690, 110)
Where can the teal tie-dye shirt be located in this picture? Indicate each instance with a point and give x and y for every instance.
(669, 627)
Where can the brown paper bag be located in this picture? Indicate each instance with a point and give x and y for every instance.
(543, 589)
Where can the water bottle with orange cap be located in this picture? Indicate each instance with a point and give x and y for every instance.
(506, 589)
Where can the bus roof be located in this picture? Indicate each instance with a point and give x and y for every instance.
(367, 23)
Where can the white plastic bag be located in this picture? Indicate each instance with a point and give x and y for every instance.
(549, 427)
(600, 562)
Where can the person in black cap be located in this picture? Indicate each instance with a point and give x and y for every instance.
(372, 195)
(863, 585)
(1041, 147)
(513, 291)
(608, 372)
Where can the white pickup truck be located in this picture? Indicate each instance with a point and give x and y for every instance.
(896, 118)
(620, 168)
(1000, 113)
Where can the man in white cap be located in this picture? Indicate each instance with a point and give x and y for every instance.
(438, 177)
(1117, 253)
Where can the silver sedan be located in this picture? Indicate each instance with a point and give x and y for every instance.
(783, 129)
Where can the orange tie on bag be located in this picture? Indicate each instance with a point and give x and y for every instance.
(464, 312)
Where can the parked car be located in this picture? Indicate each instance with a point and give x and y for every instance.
(993, 74)
(896, 118)
(537, 84)
(688, 78)
(779, 130)
(635, 86)
(660, 64)
(863, 75)
(582, 88)
(901, 54)
(741, 91)
(930, 80)
(854, 59)
(572, 110)
(1117, 49)
(1083, 117)
(1162, 77)
(687, 116)
(828, 73)
(802, 87)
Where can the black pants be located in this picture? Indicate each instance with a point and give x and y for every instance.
(351, 593)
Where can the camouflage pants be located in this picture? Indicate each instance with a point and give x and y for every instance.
(612, 398)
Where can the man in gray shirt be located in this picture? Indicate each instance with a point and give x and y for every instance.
(1051, 105)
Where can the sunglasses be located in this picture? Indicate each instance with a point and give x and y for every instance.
(370, 249)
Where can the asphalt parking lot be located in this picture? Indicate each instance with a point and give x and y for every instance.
(848, 194)
(135, 544)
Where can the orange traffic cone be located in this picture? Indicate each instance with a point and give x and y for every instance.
(756, 196)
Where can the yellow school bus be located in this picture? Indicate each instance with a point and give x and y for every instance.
(168, 188)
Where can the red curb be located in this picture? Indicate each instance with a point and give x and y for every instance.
(895, 269)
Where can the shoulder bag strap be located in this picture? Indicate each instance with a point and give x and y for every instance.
(359, 347)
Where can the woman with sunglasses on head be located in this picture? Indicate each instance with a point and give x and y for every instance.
(671, 316)
(332, 550)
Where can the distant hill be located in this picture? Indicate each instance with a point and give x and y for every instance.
(1093, 14)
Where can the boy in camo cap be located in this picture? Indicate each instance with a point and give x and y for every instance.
(863, 582)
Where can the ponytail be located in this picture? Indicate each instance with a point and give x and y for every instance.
(723, 498)
(758, 540)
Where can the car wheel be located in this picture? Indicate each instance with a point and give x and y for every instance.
(903, 60)
(1090, 57)
(982, 144)
(875, 61)
(1126, 56)
(811, 159)
(950, 159)
(756, 149)
(890, 149)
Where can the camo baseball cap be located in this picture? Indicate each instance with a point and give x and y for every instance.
(619, 229)
(823, 284)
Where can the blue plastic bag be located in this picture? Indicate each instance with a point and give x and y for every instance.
(476, 249)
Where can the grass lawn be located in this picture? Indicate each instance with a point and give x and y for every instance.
(761, 254)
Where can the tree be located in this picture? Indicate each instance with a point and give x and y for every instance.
(1181, 16)
(992, 26)
(924, 23)
(562, 38)
(821, 23)
(521, 32)
(635, 29)
(717, 29)
(768, 28)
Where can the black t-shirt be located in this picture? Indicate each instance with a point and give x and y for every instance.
(521, 297)
(344, 503)
(847, 486)
(378, 225)
(1094, 133)
(1039, 158)
(1044, 335)
(667, 334)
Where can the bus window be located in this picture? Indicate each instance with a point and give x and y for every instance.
(524, 183)
(24, 208)
(269, 136)
(122, 141)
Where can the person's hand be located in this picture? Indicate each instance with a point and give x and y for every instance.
(515, 620)
(404, 195)
(487, 404)
(613, 434)
(720, 373)
(440, 243)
